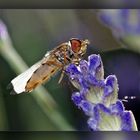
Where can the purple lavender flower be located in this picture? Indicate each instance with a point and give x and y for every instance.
(3, 31)
(121, 21)
(98, 97)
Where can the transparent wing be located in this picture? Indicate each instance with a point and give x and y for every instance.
(35, 75)
(19, 83)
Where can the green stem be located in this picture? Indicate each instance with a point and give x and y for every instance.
(41, 95)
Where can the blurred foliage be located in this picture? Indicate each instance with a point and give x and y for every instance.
(125, 25)
(33, 33)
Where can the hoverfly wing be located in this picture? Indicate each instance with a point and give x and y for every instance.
(35, 75)
(19, 83)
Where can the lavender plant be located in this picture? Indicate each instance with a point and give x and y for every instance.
(98, 97)
(124, 24)
(122, 21)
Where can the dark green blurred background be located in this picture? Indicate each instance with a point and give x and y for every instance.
(33, 33)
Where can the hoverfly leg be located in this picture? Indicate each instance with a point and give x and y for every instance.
(61, 76)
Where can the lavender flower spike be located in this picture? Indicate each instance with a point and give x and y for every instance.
(98, 97)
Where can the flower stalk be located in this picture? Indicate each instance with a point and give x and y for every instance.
(41, 95)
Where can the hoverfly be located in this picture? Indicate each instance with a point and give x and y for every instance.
(53, 61)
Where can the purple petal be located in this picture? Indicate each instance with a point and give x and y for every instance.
(86, 107)
(118, 107)
(94, 62)
(103, 108)
(126, 121)
(84, 67)
(92, 80)
(96, 113)
(77, 98)
(72, 69)
(108, 90)
(92, 123)
(110, 80)
(111, 85)
(83, 83)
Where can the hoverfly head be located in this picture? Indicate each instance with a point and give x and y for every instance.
(79, 47)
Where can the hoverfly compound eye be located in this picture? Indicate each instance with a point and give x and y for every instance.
(75, 45)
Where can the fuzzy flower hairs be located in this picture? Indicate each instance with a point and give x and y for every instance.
(98, 97)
